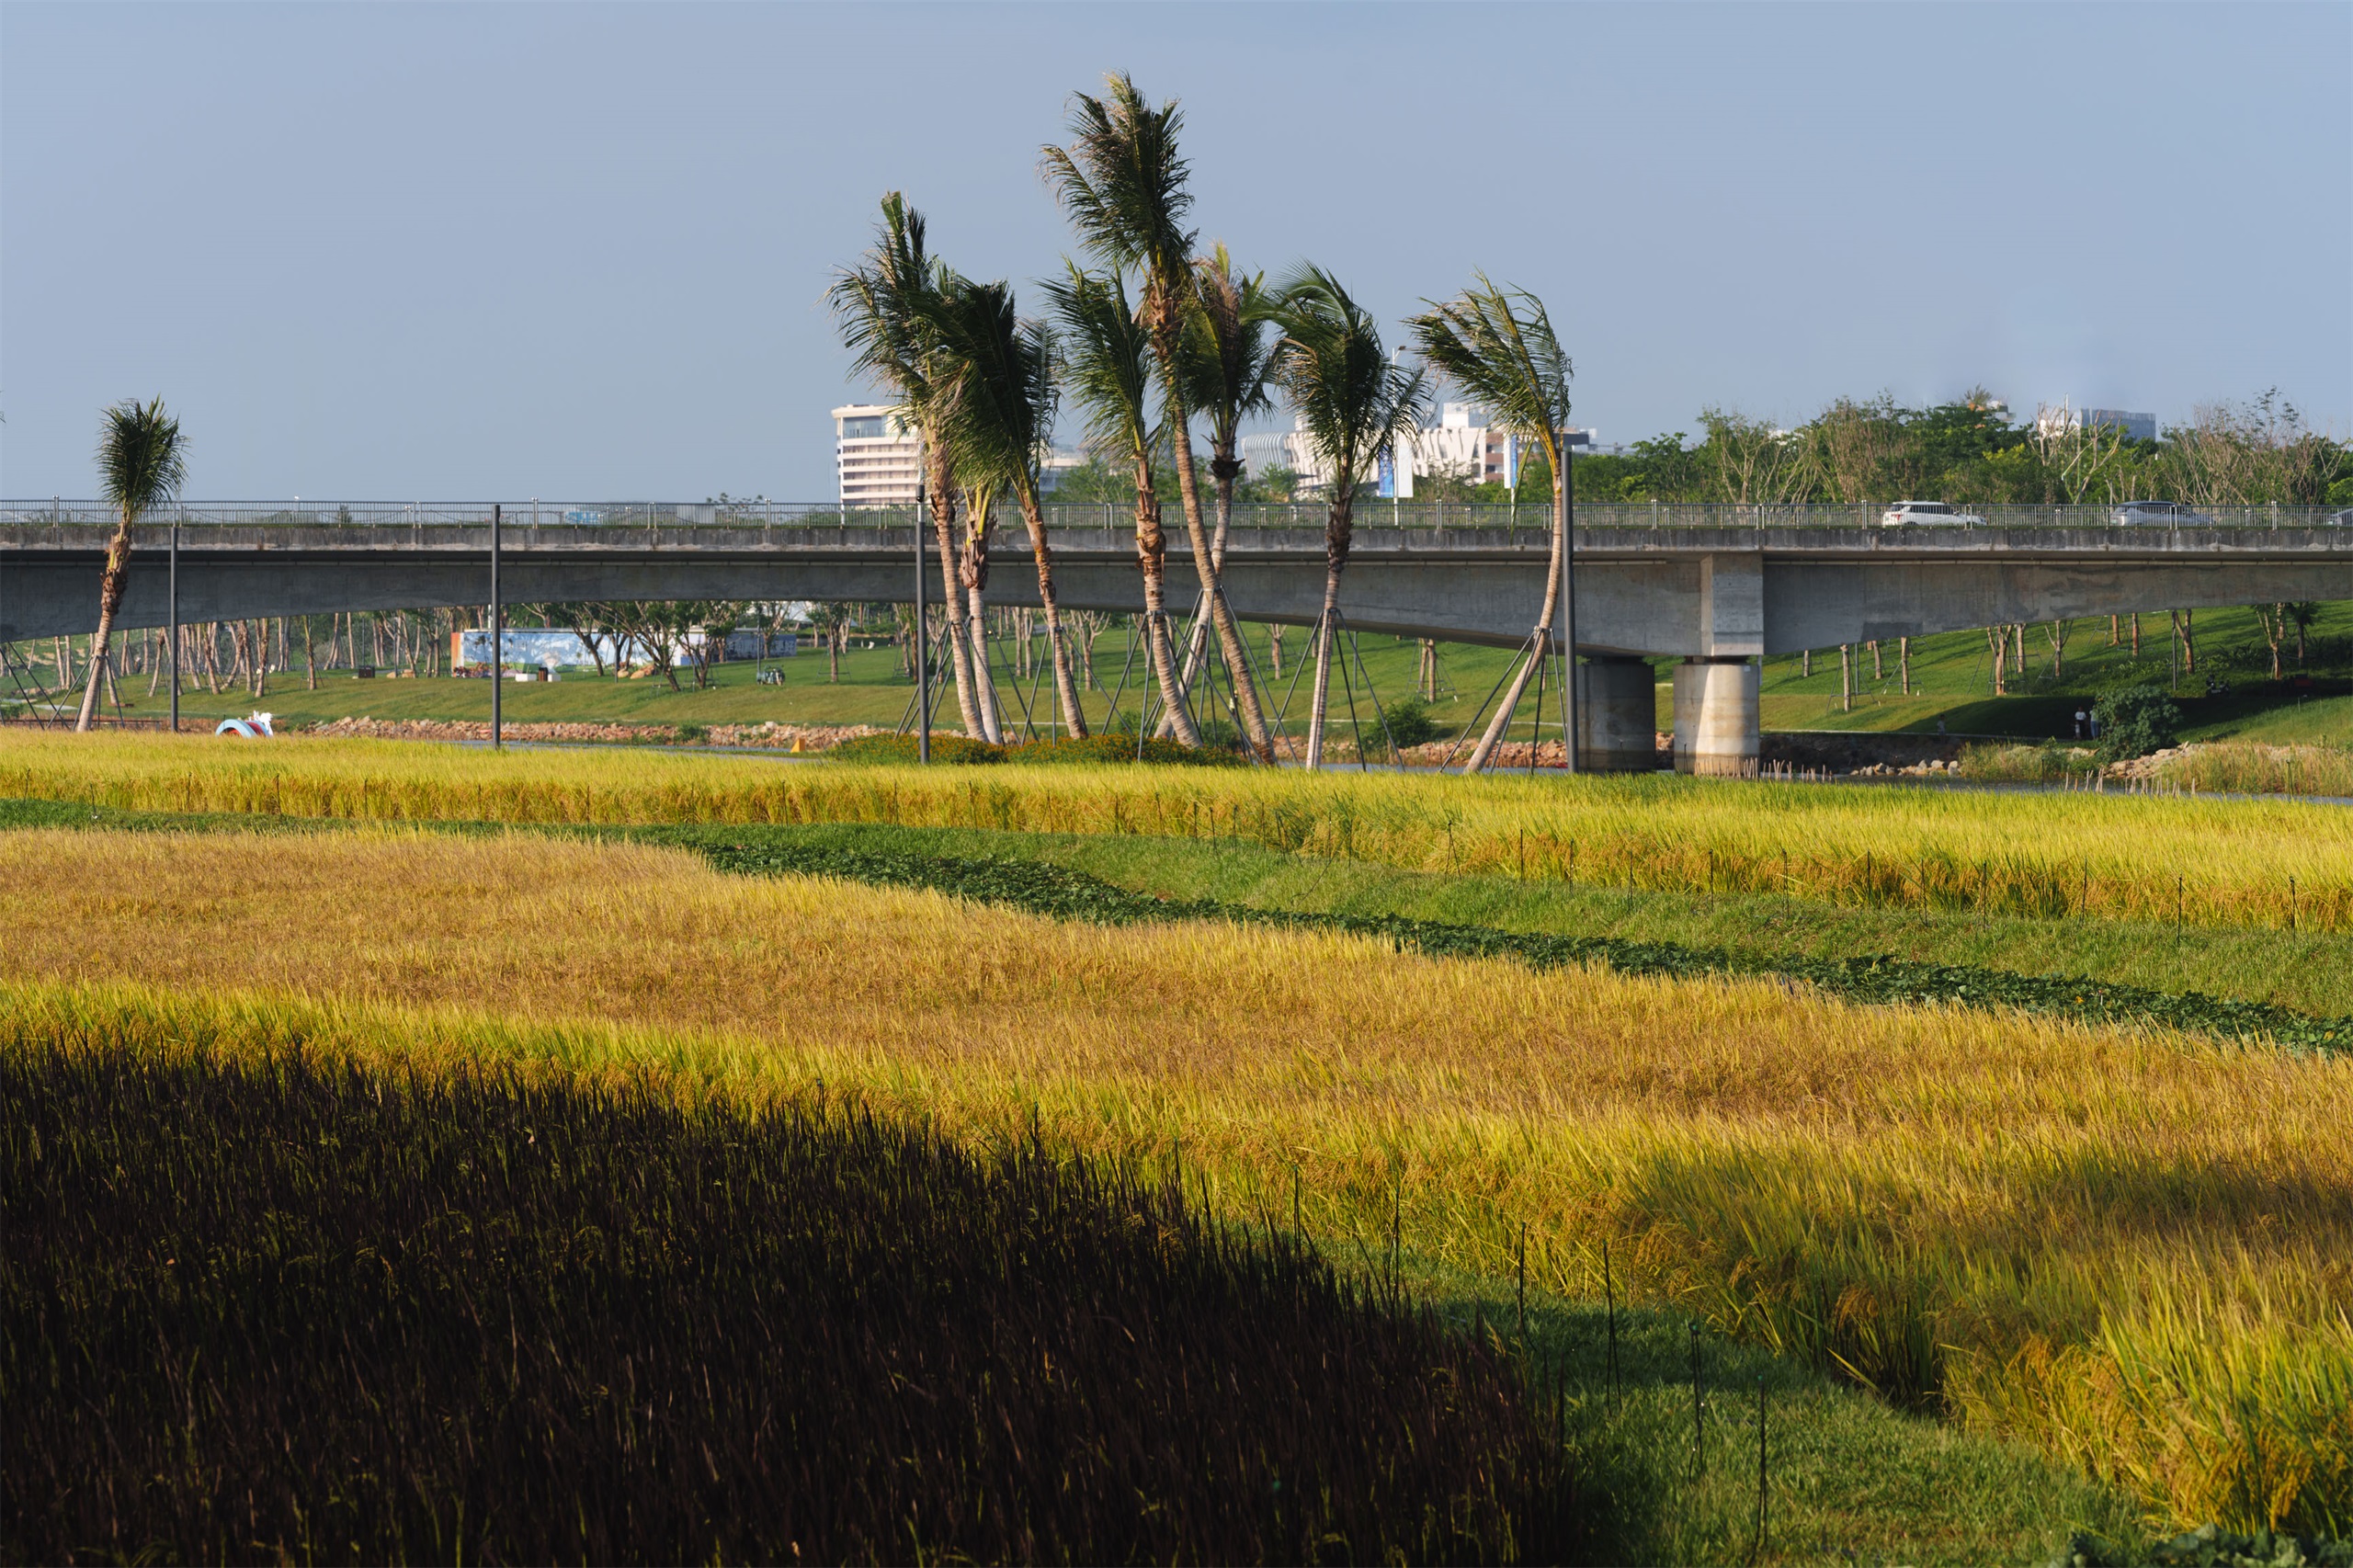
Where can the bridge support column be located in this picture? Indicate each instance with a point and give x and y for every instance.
(1617, 716)
(1716, 717)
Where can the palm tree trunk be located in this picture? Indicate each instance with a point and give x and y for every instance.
(1066, 683)
(1339, 532)
(1540, 645)
(943, 519)
(983, 678)
(1210, 562)
(111, 583)
(1151, 560)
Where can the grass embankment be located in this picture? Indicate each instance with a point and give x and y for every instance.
(2277, 864)
(2126, 1247)
(483, 1315)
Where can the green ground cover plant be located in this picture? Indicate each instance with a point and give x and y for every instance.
(271, 1306)
(1040, 888)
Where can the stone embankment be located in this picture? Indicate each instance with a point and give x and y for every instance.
(768, 735)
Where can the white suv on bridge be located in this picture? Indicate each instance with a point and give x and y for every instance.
(2158, 514)
(1934, 513)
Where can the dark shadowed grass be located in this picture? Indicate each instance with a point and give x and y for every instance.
(271, 1308)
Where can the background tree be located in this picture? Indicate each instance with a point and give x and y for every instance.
(1352, 404)
(1498, 344)
(141, 466)
(1106, 367)
(880, 306)
(1122, 182)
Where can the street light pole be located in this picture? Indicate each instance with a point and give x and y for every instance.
(172, 613)
(922, 645)
(1568, 607)
(498, 635)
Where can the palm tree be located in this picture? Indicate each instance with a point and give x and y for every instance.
(996, 382)
(1352, 402)
(880, 307)
(1122, 182)
(1499, 345)
(1107, 364)
(1229, 371)
(141, 467)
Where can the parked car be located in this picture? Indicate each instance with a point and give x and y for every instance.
(2159, 515)
(1935, 513)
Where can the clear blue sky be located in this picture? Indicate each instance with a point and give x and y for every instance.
(421, 251)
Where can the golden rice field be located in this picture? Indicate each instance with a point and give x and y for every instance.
(2206, 862)
(2135, 1249)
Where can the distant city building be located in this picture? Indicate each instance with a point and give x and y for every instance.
(2052, 419)
(1462, 445)
(878, 458)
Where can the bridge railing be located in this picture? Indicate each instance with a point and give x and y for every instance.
(465, 525)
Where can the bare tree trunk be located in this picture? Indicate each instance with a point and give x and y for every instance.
(1339, 533)
(983, 678)
(1033, 517)
(1208, 559)
(943, 522)
(1275, 650)
(1878, 671)
(2115, 632)
(2056, 635)
(1152, 560)
(310, 658)
(1845, 677)
(112, 581)
(1541, 643)
(1903, 661)
(1805, 663)
(1999, 638)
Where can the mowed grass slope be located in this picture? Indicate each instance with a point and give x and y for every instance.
(2280, 864)
(2132, 1248)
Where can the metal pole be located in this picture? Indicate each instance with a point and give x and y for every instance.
(174, 613)
(922, 645)
(1568, 608)
(497, 636)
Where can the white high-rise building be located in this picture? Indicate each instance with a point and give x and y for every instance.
(878, 458)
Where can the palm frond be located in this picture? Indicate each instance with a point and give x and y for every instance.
(1122, 181)
(1106, 358)
(1230, 345)
(1351, 400)
(141, 458)
(994, 392)
(1498, 344)
(880, 305)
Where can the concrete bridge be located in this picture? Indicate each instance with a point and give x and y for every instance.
(1717, 587)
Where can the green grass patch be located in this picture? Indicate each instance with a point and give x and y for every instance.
(1041, 888)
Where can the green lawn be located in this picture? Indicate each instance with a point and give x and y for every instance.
(1952, 682)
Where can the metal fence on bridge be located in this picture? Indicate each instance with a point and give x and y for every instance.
(63, 522)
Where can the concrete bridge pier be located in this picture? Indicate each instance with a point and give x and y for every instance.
(1716, 717)
(1616, 709)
